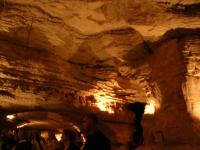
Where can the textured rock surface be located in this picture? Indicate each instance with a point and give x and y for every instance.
(73, 57)
(173, 125)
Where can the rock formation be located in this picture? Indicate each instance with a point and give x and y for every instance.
(76, 56)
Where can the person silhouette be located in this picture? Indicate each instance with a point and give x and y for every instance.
(138, 138)
(68, 139)
(96, 140)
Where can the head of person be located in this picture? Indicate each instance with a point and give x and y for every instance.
(23, 134)
(68, 136)
(37, 135)
(51, 135)
(90, 122)
(137, 111)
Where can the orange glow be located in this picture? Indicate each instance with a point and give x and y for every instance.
(22, 125)
(44, 134)
(10, 117)
(58, 136)
(104, 102)
(76, 128)
(83, 138)
(150, 107)
(32, 123)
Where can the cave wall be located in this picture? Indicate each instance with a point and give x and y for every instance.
(73, 57)
(191, 85)
(173, 125)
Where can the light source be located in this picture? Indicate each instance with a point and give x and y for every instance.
(21, 125)
(104, 102)
(150, 107)
(58, 136)
(10, 117)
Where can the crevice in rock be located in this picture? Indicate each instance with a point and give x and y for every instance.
(185, 9)
(6, 93)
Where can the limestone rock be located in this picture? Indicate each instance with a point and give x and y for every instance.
(78, 56)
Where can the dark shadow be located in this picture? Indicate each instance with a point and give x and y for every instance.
(137, 136)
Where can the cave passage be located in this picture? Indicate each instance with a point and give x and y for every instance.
(99, 75)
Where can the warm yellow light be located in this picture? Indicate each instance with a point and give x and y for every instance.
(76, 128)
(11, 117)
(150, 108)
(28, 124)
(83, 138)
(21, 125)
(44, 134)
(103, 105)
(58, 136)
(104, 102)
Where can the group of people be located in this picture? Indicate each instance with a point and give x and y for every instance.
(24, 139)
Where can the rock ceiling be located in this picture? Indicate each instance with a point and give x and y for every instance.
(72, 56)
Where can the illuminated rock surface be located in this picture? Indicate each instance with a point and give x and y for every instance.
(71, 57)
